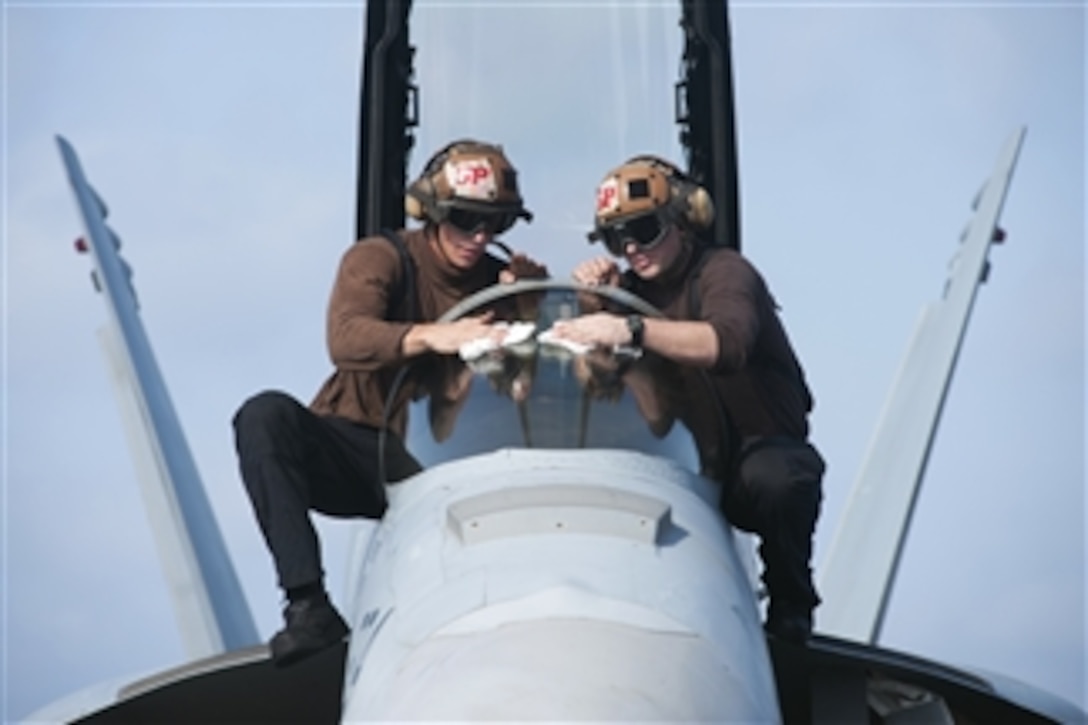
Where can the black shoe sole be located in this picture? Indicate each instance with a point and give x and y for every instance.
(294, 655)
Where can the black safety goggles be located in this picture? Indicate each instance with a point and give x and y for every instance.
(474, 222)
(646, 232)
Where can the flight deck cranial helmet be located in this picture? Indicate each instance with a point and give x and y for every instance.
(470, 184)
(638, 200)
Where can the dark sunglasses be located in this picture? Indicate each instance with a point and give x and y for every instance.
(474, 222)
(646, 232)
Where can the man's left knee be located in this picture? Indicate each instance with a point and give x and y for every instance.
(782, 472)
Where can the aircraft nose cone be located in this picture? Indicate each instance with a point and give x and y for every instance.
(567, 670)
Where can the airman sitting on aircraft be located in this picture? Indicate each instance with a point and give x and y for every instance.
(388, 292)
(720, 317)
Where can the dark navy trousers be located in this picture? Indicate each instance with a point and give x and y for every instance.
(776, 493)
(293, 461)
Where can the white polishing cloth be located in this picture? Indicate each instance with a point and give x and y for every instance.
(516, 333)
(548, 338)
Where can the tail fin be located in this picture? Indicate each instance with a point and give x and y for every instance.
(211, 609)
(861, 564)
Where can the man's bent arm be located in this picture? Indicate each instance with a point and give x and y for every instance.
(446, 337)
(686, 342)
(359, 336)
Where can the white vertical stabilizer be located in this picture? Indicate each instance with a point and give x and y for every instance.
(211, 609)
(860, 567)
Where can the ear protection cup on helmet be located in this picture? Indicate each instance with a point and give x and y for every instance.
(413, 207)
(689, 202)
(420, 198)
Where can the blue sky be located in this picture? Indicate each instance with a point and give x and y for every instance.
(224, 141)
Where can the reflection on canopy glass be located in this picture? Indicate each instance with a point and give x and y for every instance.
(533, 392)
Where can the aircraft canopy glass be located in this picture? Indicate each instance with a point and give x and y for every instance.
(535, 393)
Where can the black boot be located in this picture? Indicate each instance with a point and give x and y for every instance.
(312, 625)
(789, 622)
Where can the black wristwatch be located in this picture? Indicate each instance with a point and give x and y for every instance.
(636, 324)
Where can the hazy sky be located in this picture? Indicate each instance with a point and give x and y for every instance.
(224, 143)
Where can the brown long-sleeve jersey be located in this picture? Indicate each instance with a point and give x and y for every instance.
(757, 373)
(363, 332)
